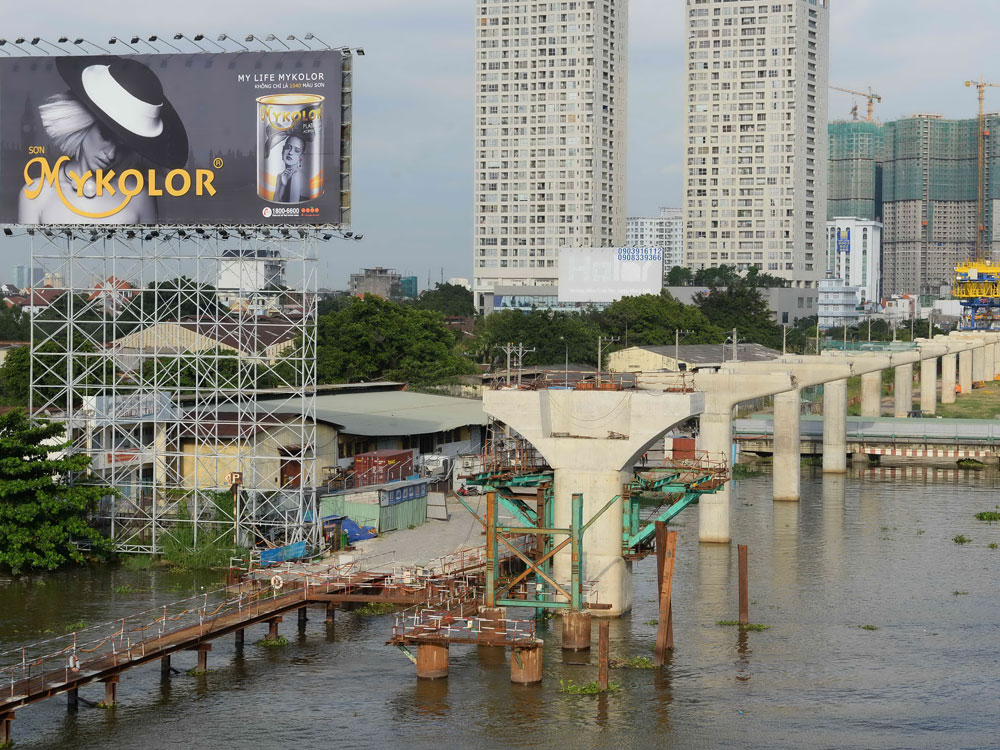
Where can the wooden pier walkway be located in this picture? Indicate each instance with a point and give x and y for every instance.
(100, 654)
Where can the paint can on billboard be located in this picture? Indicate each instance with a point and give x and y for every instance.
(290, 147)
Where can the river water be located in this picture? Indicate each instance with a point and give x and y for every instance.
(858, 550)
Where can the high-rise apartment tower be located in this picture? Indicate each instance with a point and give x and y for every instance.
(665, 231)
(918, 176)
(755, 136)
(550, 136)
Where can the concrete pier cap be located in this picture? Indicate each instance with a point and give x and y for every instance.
(724, 389)
(591, 439)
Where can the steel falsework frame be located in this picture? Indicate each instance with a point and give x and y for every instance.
(158, 376)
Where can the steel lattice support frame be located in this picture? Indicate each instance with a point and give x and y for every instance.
(164, 414)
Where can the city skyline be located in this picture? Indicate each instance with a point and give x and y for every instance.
(413, 185)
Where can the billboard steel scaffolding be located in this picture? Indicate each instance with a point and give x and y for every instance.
(170, 386)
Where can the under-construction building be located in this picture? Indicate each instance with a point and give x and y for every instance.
(918, 176)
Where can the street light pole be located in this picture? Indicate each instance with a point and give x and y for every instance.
(566, 370)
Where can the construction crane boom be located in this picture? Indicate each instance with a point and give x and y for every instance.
(983, 134)
(870, 95)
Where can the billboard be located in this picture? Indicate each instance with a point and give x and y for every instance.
(843, 240)
(607, 274)
(230, 138)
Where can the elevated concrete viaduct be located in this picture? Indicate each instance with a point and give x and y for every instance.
(592, 439)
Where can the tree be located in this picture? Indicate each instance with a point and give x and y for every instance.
(447, 299)
(741, 306)
(373, 338)
(42, 517)
(15, 324)
(718, 276)
(548, 332)
(679, 276)
(763, 280)
(15, 377)
(652, 320)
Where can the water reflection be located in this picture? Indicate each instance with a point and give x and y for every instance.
(743, 649)
(785, 544)
(834, 497)
(430, 697)
(713, 594)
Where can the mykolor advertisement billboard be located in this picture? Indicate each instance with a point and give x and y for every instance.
(606, 274)
(236, 138)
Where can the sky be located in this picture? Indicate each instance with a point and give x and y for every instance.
(413, 97)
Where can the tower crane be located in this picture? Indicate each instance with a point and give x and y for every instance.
(983, 135)
(977, 282)
(871, 96)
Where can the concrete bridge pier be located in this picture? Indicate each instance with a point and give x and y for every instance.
(990, 363)
(835, 427)
(903, 392)
(787, 469)
(949, 363)
(928, 385)
(723, 390)
(716, 436)
(592, 439)
(979, 364)
(965, 370)
(871, 394)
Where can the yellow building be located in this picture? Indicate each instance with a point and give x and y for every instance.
(685, 358)
(264, 337)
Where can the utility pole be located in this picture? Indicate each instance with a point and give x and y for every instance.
(518, 350)
(736, 351)
(566, 370)
(817, 335)
(677, 346)
(521, 351)
(930, 325)
(784, 339)
(602, 344)
(869, 328)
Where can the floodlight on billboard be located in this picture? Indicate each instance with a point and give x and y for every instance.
(245, 138)
(605, 274)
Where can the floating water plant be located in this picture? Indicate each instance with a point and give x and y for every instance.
(373, 609)
(990, 516)
(590, 688)
(961, 539)
(868, 627)
(273, 642)
(756, 627)
(636, 662)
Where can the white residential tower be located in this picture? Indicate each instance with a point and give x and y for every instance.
(665, 231)
(550, 136)
(756, 136)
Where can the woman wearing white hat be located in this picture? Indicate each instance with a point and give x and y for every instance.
(113, 117)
